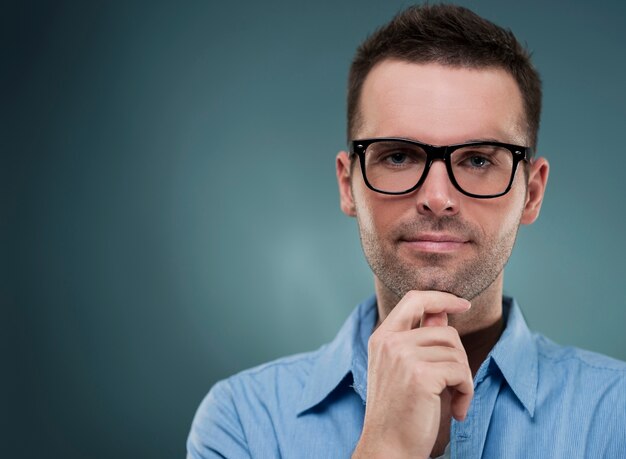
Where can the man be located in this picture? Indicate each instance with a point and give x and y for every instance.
(443, 114)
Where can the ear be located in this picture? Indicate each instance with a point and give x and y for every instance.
(537, 180)
(343, 180)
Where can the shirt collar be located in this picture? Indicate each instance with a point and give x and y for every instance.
(344, 355)
(515, 355)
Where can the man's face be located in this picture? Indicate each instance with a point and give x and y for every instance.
(436, 238)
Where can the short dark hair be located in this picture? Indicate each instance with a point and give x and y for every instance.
(448, 35)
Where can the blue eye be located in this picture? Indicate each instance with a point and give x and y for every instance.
(397, 158)
(478, 161)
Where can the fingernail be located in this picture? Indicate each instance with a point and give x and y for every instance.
(465, 303)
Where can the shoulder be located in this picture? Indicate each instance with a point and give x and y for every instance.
(246, 400)
(587, 390)
(257, 407)
(570, 356)
(594, 380)
(286, 376)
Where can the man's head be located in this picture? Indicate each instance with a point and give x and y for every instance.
(435, 237)
(452, 36)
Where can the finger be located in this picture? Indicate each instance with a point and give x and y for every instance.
(407, 314)
(460, 404)
(434, 336)
(457, 376)
(461, 384)
(439, 319)
(440, 354)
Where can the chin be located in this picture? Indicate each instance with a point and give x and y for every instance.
(436, 278)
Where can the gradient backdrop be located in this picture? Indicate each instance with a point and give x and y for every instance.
(169, 206)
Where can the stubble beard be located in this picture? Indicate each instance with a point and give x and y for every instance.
(436, 271)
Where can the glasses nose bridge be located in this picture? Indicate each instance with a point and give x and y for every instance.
(434, 153)
(436, 195)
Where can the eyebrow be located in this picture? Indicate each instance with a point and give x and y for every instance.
(484, 139)
(473, 140)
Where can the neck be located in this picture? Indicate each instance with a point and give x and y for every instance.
(478, 344)
(479, 328)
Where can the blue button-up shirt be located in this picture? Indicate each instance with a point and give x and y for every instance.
(532, 399)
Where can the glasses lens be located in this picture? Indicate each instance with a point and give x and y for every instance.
(482, 169)
(394, 166)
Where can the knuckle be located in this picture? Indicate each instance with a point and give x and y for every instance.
(419, 374)
(382, 342)
(466, 375)
(452, 334)
(470, 377)
(459, 357)
(456, 369)
(389, 345)
(413, 297)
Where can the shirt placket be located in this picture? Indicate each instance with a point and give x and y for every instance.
(468, 437)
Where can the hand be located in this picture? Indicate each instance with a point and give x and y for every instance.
(409, 368)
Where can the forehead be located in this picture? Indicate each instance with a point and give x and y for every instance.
(440, 104)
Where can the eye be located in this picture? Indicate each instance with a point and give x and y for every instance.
(478, 161)
(397, 158)
(393, 155)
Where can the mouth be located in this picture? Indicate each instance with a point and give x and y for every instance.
(435, 242)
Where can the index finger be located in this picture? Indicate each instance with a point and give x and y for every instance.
(439, 319)
(407, 314)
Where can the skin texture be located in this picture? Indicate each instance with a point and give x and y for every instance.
(419, 373)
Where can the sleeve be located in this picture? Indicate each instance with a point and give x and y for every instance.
(216, 430)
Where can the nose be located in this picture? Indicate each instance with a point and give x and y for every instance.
(437, 196)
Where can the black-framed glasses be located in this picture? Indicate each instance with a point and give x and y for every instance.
(477, 169)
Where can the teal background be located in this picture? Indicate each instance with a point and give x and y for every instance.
(170, 214)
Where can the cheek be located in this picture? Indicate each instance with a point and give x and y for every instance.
(500, 215)
(518, 196)
(375, 214)
(368, 216)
